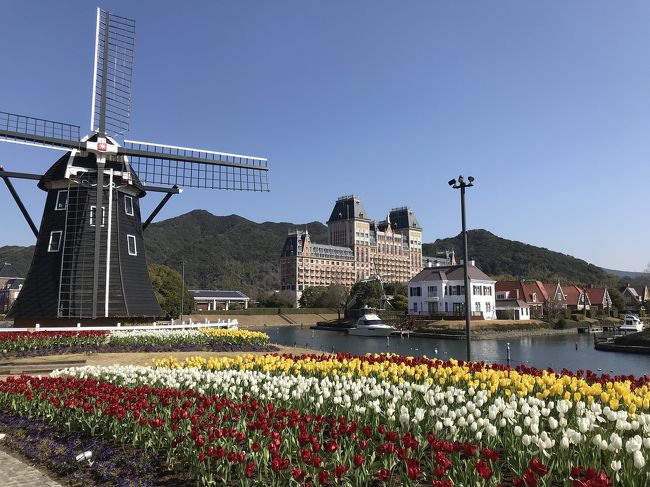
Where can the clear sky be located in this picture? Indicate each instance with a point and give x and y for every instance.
(546, 104)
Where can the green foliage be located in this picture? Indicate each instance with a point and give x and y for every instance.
(400, 303)
(310, 296)
(224, 252)
(395, 289)
(618, 301)
(19, 257)
(167, 287)
(273, 300)
(561, 323)
(365, 294)
(332, 296)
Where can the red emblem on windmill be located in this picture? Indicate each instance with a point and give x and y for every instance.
(101, 145)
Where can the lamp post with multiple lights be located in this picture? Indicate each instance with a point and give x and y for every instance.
(461, 184)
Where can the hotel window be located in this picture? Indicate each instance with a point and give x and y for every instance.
(128, 205)
(93, 210)
(61, 200)
(478, 306)
(55, 241)
(131, 245)
(488, 307)
(433, 291)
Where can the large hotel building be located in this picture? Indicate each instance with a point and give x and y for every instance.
(358, 247)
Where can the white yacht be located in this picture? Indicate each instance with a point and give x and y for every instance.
(370, 325)
(632, 324)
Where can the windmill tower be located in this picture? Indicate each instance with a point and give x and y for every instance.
(89, 261)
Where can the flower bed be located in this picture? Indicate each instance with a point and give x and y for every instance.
(55, 343)
(375, 419)
(56, 449)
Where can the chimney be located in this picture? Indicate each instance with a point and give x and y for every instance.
(516, 293)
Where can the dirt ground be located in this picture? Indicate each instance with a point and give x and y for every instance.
(268, 320)
(142, 358)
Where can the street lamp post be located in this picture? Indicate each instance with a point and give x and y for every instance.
(182, 288)
(462, 184)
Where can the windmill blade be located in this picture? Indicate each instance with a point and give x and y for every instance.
(113, 73)
(21, 129)
(195, 168)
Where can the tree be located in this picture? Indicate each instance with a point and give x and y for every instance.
(400, 302)
(365, 293)
(167, 288)
(395, 289)
(273, 300)
(334, 296)
(311, 296)
(618, 301)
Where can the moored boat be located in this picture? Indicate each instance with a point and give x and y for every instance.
(632, 324)
(371, 325)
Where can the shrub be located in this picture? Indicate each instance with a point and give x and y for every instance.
(561, 323)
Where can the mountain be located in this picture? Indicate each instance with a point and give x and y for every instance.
(19, 257)
(220, 252)
(498, 256)
(231, 252)
(224, 252)
(631, 274)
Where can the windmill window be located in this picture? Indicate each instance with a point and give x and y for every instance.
(55, 241)
(93, 211)
(130, 242)
(128, 205)
(61, 200)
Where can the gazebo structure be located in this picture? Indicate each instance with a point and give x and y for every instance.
(207, 300)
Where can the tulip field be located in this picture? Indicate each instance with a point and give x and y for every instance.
(356, 420)
(60, 342)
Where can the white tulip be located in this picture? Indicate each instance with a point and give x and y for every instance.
(639, 461)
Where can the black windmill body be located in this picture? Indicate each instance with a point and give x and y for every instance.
(89, 265)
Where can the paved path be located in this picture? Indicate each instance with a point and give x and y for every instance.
(15, 473)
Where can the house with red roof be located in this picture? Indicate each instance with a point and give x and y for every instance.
(575, 298)
(598, 297)
(532, 293)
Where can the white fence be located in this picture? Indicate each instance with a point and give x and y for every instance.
(165, 325)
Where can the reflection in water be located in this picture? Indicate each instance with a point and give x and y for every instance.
(574, 351)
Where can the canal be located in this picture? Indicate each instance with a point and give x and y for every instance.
(573, 352)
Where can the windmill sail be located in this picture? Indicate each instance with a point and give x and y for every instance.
(113, 74)
(37, 131)
(195, 168)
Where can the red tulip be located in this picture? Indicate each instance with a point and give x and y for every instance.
(323, 477)
(383, 474)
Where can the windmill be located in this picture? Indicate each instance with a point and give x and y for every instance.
(89, 260)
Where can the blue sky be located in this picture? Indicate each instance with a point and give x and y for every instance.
(546, 104)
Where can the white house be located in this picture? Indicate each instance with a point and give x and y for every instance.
(440, 290)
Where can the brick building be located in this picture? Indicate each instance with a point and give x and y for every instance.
(358, 247)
